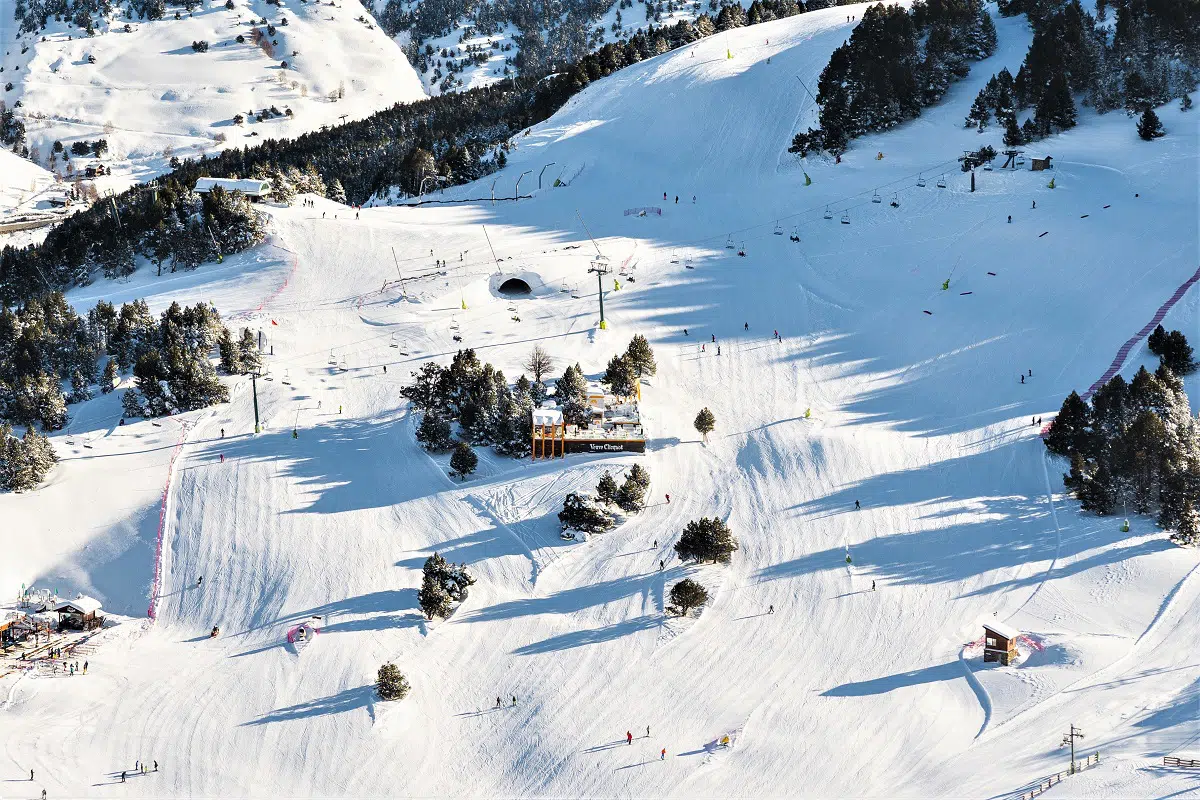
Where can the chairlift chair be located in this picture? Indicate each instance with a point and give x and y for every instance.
(742, 250)
(846, 218)
(729, 243)
(1020, 161)
(987, 167)
(875, 198)
(828, 213)
(778, 229)
(921, 181)
(895, 201)
(795, 234)
(941, 183)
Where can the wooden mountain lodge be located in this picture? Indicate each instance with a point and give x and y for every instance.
(615, 426)
(80, 614)
(999, 642)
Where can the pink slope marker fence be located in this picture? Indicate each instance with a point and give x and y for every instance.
(1126, 348)
(278, 290)
(156, 585)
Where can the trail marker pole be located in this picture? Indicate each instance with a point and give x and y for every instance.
(254, 389)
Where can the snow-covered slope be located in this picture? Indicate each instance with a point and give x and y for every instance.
(843, 690)
(151, 96)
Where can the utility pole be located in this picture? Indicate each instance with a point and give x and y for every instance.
(254, 388)
(1069, 740)
(601, 268)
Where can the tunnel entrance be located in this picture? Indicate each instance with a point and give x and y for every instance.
(515, 287)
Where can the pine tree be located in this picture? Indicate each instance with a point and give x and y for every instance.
(79, 388)
(580, 512)
(108, 381)
(464, 461)
(433, 598)
(1158, 338)
(1149, 127)
(390, 683)
(249, 358)
(1069, 430)
(979, 114)
(434, 433)
(640, 356)
(705, 422)
(632, 494)
(706, 540)
(336, 193)
(1177, 354)
(686, 595)
(571, 393)
(231, 357)
(620, 377)
(1188, 529)
(1056, 108)
(1012, 133)
(606, 489)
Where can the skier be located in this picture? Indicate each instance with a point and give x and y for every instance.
(137, 765)
(339, 409)
(661, 565)
(497, 701)
(714, 338)
(1035, 203)
(693, 199)
(664, 197)
(701, 348)
(857, 505)
(199, 581)
(222, 433)
(514, 699)
(777, 334)
(668, 500)
(718, 349)
(1039, 422)
(1022, 379)
(30, 774)
(322, 217)
(1010, 219)
(628, 740)
(122, 776)
(872, 586)
(655, 545)
(1031, 373)
(647, 731)
(385, 369)
(222, 456)
(685, 331)
(676, 199)
(356, 215)
(746, 326)
(663, 755)
(85, 667)
(771, 609)
(156, 766)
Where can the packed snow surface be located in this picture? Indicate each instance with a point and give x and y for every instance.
(865, 681)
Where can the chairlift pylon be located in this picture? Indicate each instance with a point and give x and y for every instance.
(941, 184)
(828, 213)
(875, 198)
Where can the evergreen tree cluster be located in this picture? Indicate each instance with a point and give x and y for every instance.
(1136, 445)
(24, 462)
(581, 512)
(1148, 57)
(44, 343)
(479, 398)
(1172, 350)
(173, 227)
(895, 63)
(443, 586)
(706, 539)
(171, 360)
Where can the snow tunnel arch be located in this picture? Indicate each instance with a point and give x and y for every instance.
(514, 287)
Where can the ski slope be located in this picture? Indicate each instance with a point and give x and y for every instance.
(843, 691)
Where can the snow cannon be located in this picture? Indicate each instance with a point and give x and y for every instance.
(1125, 526)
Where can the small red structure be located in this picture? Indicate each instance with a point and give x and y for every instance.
(999, 642)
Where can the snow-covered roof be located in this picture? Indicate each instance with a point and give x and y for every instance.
(1007, 631)
(81, 605)
(547, 416)
(247, 186)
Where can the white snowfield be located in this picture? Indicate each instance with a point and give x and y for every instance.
(152, 97)
(842, 691)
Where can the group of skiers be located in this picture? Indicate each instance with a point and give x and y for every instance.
(139, 767)
(499, 702)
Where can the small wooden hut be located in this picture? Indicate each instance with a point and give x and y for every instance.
(999, 642)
